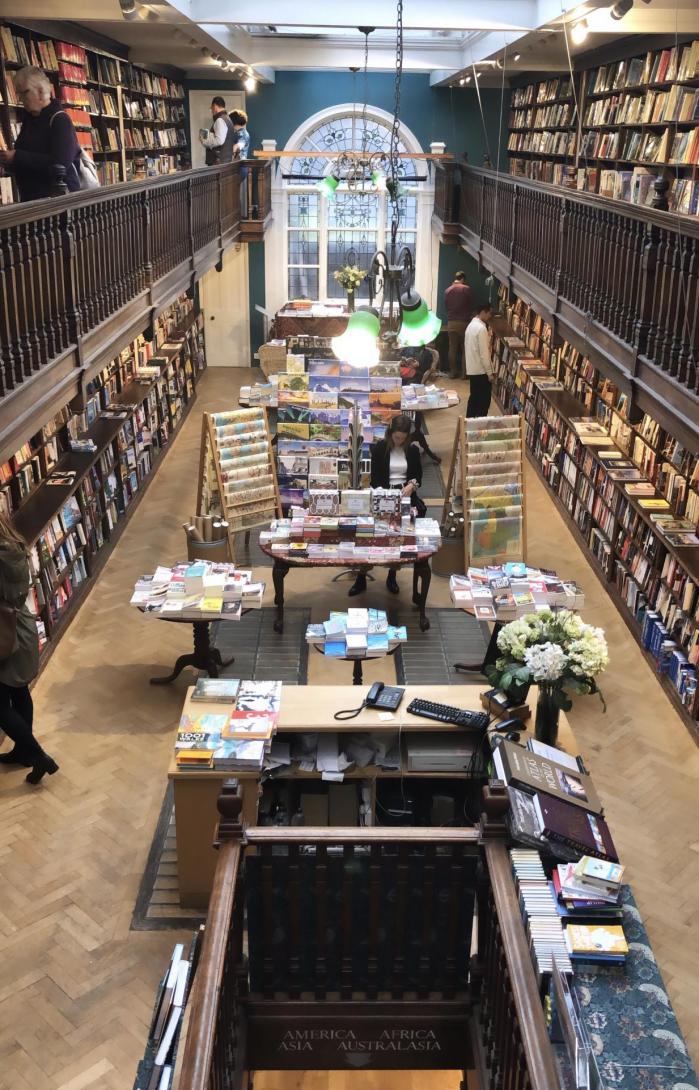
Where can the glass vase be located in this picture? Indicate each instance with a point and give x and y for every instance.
(350, 302)
(547, 713)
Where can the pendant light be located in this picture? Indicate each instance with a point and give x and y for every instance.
(358, 344)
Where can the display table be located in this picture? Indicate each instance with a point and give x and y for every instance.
(422, 576)
(203, 657)
(303, 708)
(309, 323)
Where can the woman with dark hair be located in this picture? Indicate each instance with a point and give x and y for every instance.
(395, 463)
(22, 664)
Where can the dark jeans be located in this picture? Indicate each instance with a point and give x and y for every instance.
(17, 717)
(479, 395)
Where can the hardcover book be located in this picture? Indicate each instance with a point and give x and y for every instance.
(578, 829)
(520, 767)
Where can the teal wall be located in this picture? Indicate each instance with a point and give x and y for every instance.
(431, 113)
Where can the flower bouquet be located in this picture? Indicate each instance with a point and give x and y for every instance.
(350, 278)
(556, 651)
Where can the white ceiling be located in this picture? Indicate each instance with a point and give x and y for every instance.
(443, 38)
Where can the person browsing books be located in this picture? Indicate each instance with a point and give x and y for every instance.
(458, 303)
(22, 664)
(220, 140)
(46, 140)
(395, 463)
(479, 363)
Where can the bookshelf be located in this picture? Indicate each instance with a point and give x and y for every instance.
(71, 504)
(638, 119)
(131, 120)
(653, 582)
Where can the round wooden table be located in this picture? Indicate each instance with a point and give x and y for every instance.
(422, 575)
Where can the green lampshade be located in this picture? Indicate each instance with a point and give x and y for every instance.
(327, 186)
(378, 179)
(419, 325)
(357, 345)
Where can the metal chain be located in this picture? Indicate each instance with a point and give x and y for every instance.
(366, 94)
(395, 130)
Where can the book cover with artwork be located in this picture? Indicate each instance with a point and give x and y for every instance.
(522, 768)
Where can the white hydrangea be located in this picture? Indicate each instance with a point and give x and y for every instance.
(588, 655)
(546, 661)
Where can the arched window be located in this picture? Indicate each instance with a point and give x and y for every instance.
(322, 235)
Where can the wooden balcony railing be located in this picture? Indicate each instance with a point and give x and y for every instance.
(258, 203)
(619, 281)
(348, 915)
(445, 219)
(81, 274)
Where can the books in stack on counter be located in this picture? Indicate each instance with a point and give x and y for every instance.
(564, 830)
(216, 690)
(599, 942)
(238, 737)
(517, 766)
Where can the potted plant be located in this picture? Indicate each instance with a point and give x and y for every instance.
(349, 277)
(556, 651)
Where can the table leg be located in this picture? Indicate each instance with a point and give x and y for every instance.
(204, 656)
(491, 654)
(279, 574)
(422, 577)
(357, 676)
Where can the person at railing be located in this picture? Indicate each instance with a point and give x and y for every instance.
(47, 138)
(21, 666)
(220, 139)
(479, 361)
(458, 301)
(241, 150)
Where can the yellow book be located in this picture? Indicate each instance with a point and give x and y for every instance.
(194, 758)
(596, 939)
(211, 605)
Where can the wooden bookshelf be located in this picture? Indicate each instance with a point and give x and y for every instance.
(131, 120)
(638, 120)
(643, 572)
(130, 418)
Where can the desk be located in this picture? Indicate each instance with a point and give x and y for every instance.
(303, 708)
(299, 323)
(422, 576)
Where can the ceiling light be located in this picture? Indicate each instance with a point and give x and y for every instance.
(468, 79)
(461, 82)
(357, 345)
(516, 56)
(620, 9)
(128, 9)
(250, 83)
(579, 32)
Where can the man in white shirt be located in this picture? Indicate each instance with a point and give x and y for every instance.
(478, 360)
(220, 139)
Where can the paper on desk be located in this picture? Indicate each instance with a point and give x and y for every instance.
(279, 755)
(386, 716)
(334, 777)
(328, 756)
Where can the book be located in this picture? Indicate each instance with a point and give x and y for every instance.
(522, 768)
(255, 725)
(599, 938)
(216, 690)
(578, 829)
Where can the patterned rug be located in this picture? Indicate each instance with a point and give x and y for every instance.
(428, 658)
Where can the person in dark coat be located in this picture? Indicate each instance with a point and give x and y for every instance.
(395, 463)
(47, 138)
(22, 665)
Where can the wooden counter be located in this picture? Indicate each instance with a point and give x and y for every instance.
(303, 708)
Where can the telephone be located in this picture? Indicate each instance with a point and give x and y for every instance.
(385, 697)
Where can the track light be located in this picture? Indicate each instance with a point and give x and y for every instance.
(128, 9)
(516, 57)
(468, 79)
(461, 82)
(579, 32)
(620, 9)
(250, 83)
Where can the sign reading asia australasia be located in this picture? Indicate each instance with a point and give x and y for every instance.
(365, 1044)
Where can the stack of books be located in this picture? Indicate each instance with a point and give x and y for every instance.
(356, 634)
(553, 803)
(508, 591)
(201, 591)
(238, 738)
(547, 942)
(388, 534)
(167, 1019)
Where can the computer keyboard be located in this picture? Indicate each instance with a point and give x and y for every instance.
(445, 713)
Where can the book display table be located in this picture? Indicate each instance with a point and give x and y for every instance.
(202, 657)
(304, 709)
(422, 576)
(357, 669)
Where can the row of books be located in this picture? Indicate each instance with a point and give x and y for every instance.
(197, 592)
(542, 143)
(39, 53)
(657, 66)
(559, 87)
(357, 633)
(236, 733)
(156, 1070)
(505, 592)
(680, 104)
(559, 115)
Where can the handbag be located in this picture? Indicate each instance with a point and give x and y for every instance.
(84, 166)
(8, 631)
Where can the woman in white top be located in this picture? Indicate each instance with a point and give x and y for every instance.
(395, 463)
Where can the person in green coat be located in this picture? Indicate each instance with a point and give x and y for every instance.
(22, 664)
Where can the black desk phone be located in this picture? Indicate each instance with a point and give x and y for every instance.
(384, 697)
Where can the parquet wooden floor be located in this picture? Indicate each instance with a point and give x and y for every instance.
(76, 986)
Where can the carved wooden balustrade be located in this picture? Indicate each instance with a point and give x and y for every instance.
(620, 282)
(258, 208)
(82, 274)
(357, 948)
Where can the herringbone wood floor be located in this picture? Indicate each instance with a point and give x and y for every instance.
(76, 986)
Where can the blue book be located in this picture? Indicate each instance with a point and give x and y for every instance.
(335, 649)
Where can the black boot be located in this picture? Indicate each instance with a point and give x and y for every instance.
(359, 585)
(15, 756)
(392, 583)
(43, 765)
